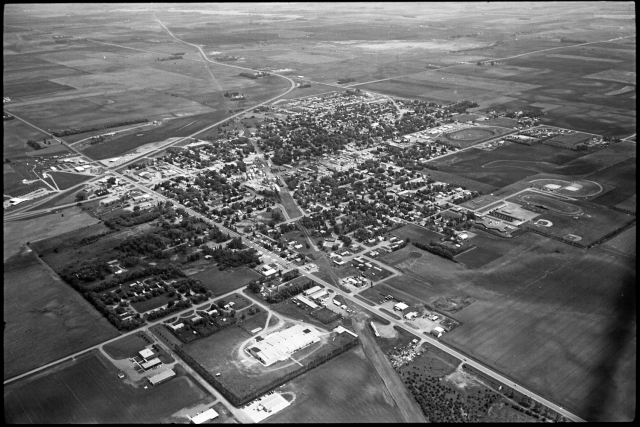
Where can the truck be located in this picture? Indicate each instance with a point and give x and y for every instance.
(336, 303)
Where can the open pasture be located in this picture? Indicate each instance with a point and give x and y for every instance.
(15, 137)
(525, 280)
(17, 233)
(416, 234)
(178, 127)
(34, 88)
(622, 176)
(573, 350)
(67, 180)
(478, 257)
(325, 394)
(513, 162)
(45, 318)
(221, 282)
(88, 391)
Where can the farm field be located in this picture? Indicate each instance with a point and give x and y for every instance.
(478, 257)
(15, 137)
(622, 176)
(67, 180)
(88, 390)
(221, 282)
(511, 163)
(416, 234)
(326, 394)
(45, 318)
(17, 233)
(524, 281)
(624, 242)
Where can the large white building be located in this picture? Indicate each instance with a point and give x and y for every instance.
(280, 345)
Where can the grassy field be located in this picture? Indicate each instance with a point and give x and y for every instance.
(221, 282)
(478, 257)
(128, 346)
(45, 318)
(88, 390)
(290, 205)
(511, 163)
(67, 180)
(416, 234)
(326, 394)
(253, 322)
(17, 233)
(622, 176)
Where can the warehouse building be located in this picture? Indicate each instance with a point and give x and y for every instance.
(150, 364)
(273, 403)
(307, 301)
(312, 290)
(164, 375)
(205, 416)
(400, 306)
(320, 295)
(280, 345)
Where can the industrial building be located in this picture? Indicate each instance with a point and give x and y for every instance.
(312, 290)
(320, 295)
(150, 364)
(400, 306)
(307, 301)
(273, 403)
(280, 345)
(164, 375)
(205, 416)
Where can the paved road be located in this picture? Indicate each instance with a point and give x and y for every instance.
(409, 408)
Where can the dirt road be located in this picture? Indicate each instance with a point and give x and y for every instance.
(409, 408)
